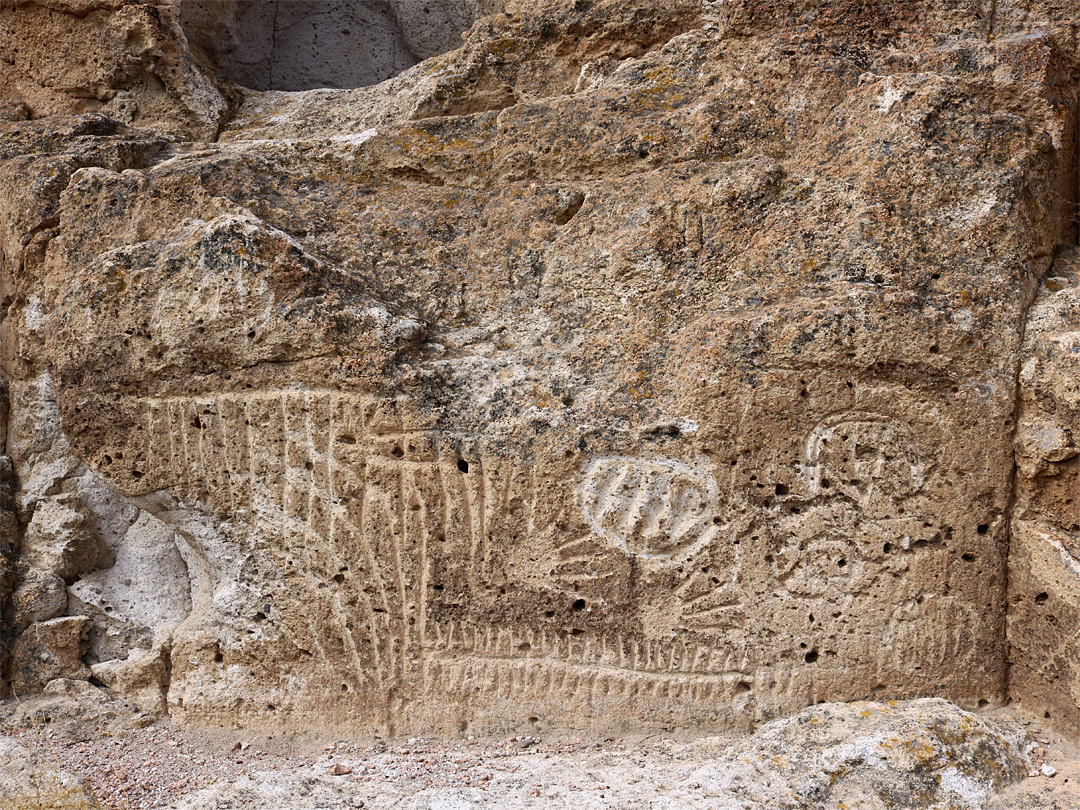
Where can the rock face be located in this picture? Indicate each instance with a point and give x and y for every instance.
(1044, 572)
(286, 45)
(127, 60)
(633, 366)
(49, 650)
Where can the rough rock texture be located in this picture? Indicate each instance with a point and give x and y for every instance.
(1044, 572)
(633, 366)
(128, 60)
(10, 599)
(49, 650)
(924, 754)
(142, 677)
(289, 45)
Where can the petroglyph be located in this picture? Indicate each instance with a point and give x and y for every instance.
(458, 387)
(868, 457)
(524, 663)
(375, 517)
(656, 508)
(907, 641)
(407, 542)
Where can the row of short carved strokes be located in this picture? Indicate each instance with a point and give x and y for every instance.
(272, 456)
(522, 679)
(207, 442)
(618, 651)
(211, 444)
(299, 508)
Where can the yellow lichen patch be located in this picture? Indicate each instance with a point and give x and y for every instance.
(505, 46)
(643, 388)
(923, 753)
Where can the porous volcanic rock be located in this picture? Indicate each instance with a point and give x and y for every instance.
(286, 45)
(1044, 572)
(127, 60)
(634, 366)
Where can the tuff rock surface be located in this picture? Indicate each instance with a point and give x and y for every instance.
(633, 366)
(286, 45)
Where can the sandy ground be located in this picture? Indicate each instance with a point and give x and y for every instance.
(1061, 791)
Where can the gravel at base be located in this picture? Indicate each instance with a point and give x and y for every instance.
(161, 767)
(140, 769)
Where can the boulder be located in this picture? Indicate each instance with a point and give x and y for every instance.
(49, 650)
(917, 755)
(141, 679)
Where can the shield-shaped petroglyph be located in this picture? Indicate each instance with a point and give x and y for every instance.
(864, 456)
(657, 508)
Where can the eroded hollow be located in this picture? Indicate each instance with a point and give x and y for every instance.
(307, 44)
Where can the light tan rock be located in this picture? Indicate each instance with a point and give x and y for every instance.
(126, 60)
(141, 597)
(49, 650)
(1044, 594)
(921, 754)
(40, 595)
(634, 366)
(141, 678)
(59, 539)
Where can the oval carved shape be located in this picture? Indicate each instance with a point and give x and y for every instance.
(658, 508)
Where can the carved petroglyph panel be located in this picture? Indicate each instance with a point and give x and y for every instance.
(332, 485)
(394, 536)
(522, 664)
(666, 513)
(433, 568)
(656, 508)
(929, 634)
